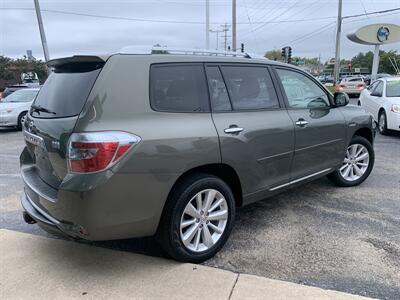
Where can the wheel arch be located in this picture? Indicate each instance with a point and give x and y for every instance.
(21, 113)
(365, 133)
(220, 170)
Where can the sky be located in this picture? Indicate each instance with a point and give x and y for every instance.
(105, 26)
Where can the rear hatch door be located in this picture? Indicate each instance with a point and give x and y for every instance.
(53, 116)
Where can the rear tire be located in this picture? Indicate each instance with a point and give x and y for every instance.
(21, 120)
(357, 165)
(203, 237)
(382, 123)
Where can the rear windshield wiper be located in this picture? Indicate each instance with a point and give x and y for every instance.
(38, 109)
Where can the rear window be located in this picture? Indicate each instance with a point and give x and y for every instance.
(65, 93)
(178, 88)
(22, 96)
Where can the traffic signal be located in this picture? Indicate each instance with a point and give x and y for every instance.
(284, 53)
(242, 47)
(289, 56)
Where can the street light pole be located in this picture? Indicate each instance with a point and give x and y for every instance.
(338, 35)
(234, 25)
(207, 24)
(41, 30)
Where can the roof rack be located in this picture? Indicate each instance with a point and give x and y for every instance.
(185, 51)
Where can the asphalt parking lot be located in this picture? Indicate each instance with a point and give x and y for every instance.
(346, 239)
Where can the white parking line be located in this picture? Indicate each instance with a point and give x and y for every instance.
(10, 175)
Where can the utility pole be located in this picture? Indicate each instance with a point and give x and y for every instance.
(217, 32)
(319, 62)
(234, 25)
(338, 35)
(207, 24)
(225, 29)
(41, 30)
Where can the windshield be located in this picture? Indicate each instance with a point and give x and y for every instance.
(393, 88)
(21, 96)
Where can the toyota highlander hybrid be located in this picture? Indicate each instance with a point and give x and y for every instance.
(169, 143)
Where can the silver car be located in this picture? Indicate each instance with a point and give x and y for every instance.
(13, 108)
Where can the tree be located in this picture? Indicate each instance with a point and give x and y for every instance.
(364, 60)
(11, 69)
(273, 55)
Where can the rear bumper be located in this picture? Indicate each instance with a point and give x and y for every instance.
(48, 222)
(124, 206)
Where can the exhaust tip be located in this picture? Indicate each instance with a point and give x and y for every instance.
(27, 218)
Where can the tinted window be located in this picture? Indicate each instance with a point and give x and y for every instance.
(218, 93)
(301, 91)
(250, 87)
(393, 88)
(178, 88)
(357, 79)
(65, 94)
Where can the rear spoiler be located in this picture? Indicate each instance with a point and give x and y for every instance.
(77, 63)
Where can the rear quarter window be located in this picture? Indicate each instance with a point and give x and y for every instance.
(178, 88)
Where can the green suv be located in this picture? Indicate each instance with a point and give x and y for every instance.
(170, 142)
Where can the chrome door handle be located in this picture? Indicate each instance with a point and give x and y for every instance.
(233, 130)
(301, 123)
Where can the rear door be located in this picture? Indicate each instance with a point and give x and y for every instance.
(47, 129)
(319, 129)
(256, 133)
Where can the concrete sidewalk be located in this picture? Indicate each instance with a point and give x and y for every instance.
(40, 268)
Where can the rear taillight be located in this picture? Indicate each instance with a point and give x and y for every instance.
(96, 151)
(360, 86)
(342, 85)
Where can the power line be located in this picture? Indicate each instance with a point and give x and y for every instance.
(157, 20)
(273, 21)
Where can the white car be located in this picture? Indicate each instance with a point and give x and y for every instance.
(13, 108)
(351, 85)
(382, 100)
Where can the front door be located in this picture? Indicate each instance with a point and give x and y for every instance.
(256, 133)
(319, 128)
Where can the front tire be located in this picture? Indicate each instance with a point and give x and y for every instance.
(382, 123)
(357, 164)
(21, 120)
(198, 218)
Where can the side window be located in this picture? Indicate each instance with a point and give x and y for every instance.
(301, 91)
(379, 88)
(178, 88)
(372, 86)
(218, 93)
(250, 87)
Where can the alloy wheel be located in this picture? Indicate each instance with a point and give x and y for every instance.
(204, 220)
(382, 122)
(355, 163)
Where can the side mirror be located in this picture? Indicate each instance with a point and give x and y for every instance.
(376, 94)
(340, 99)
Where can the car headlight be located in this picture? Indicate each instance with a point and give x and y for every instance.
(395, 108)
